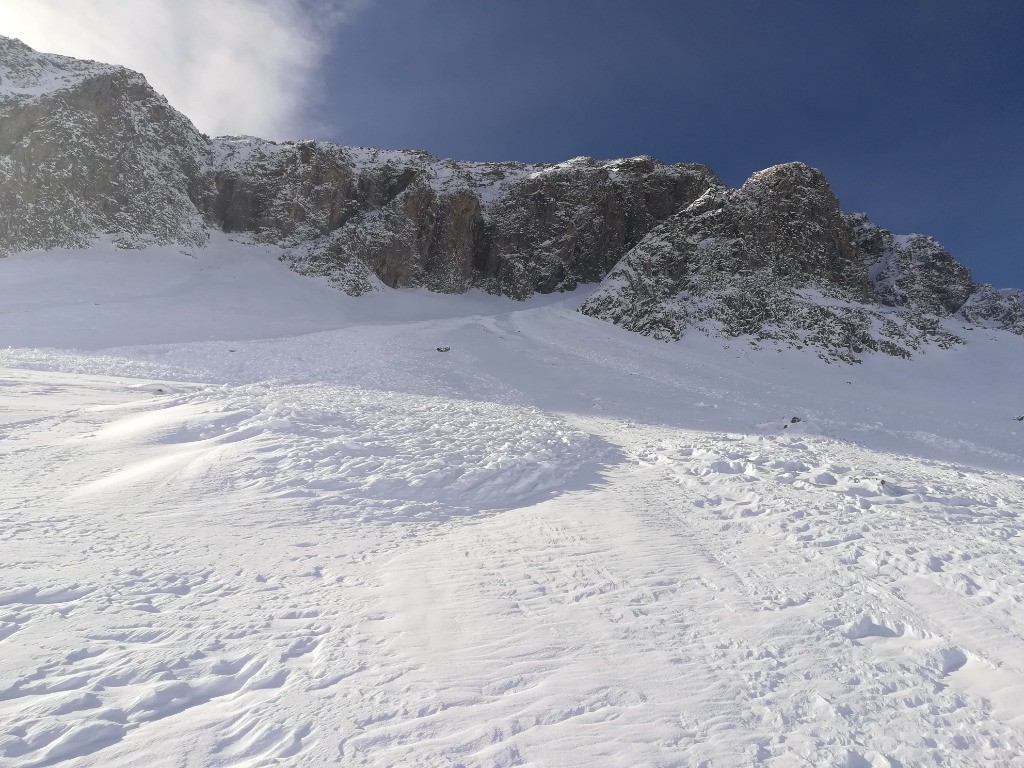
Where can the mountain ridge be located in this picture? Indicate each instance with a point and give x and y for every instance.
(89, 149)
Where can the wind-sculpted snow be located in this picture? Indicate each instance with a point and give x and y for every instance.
(282, 527)
(351, 453)
(198, 573)
(260, 460)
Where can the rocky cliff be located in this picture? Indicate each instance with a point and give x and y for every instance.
(778, 260)
(408, 218)
(90, 150)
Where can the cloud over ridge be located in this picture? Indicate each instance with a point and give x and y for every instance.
(232, 66)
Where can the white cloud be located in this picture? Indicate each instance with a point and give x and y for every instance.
(232, 66)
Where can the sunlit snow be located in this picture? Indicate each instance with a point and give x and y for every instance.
(250, 521)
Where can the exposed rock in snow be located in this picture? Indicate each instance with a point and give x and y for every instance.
(775, 259)
(778, 260)
(410, 219)
(912, 271)
(90, 150)
(997, 308)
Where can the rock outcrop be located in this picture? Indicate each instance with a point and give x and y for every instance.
(913, 272)
(777, 260)
(995, 308)
(409, 218)
(90, 150)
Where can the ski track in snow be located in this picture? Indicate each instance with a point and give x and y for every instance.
(543, 548)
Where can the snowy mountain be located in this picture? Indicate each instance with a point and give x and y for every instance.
(90, 150)
(410, 219)
(247, 520)
(778, 260)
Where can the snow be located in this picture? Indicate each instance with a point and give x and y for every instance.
(247, 520)
(239, 150)
(30, 74)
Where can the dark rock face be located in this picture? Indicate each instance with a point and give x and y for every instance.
(783, 227)
(100, 153)
(90, 150)
(411, 219)
(789, 224)
(774, 260)
(571, 223)
(912, 271)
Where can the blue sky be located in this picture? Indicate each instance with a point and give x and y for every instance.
(914, 110)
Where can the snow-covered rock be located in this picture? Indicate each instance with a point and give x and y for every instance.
(90, 151)
(778, 260)
(411, 219)
(994, 307)
(775, 259)
(911, 271)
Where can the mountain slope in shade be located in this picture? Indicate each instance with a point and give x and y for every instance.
(410, 219)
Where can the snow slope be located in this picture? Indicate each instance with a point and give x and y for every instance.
(249, 521)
